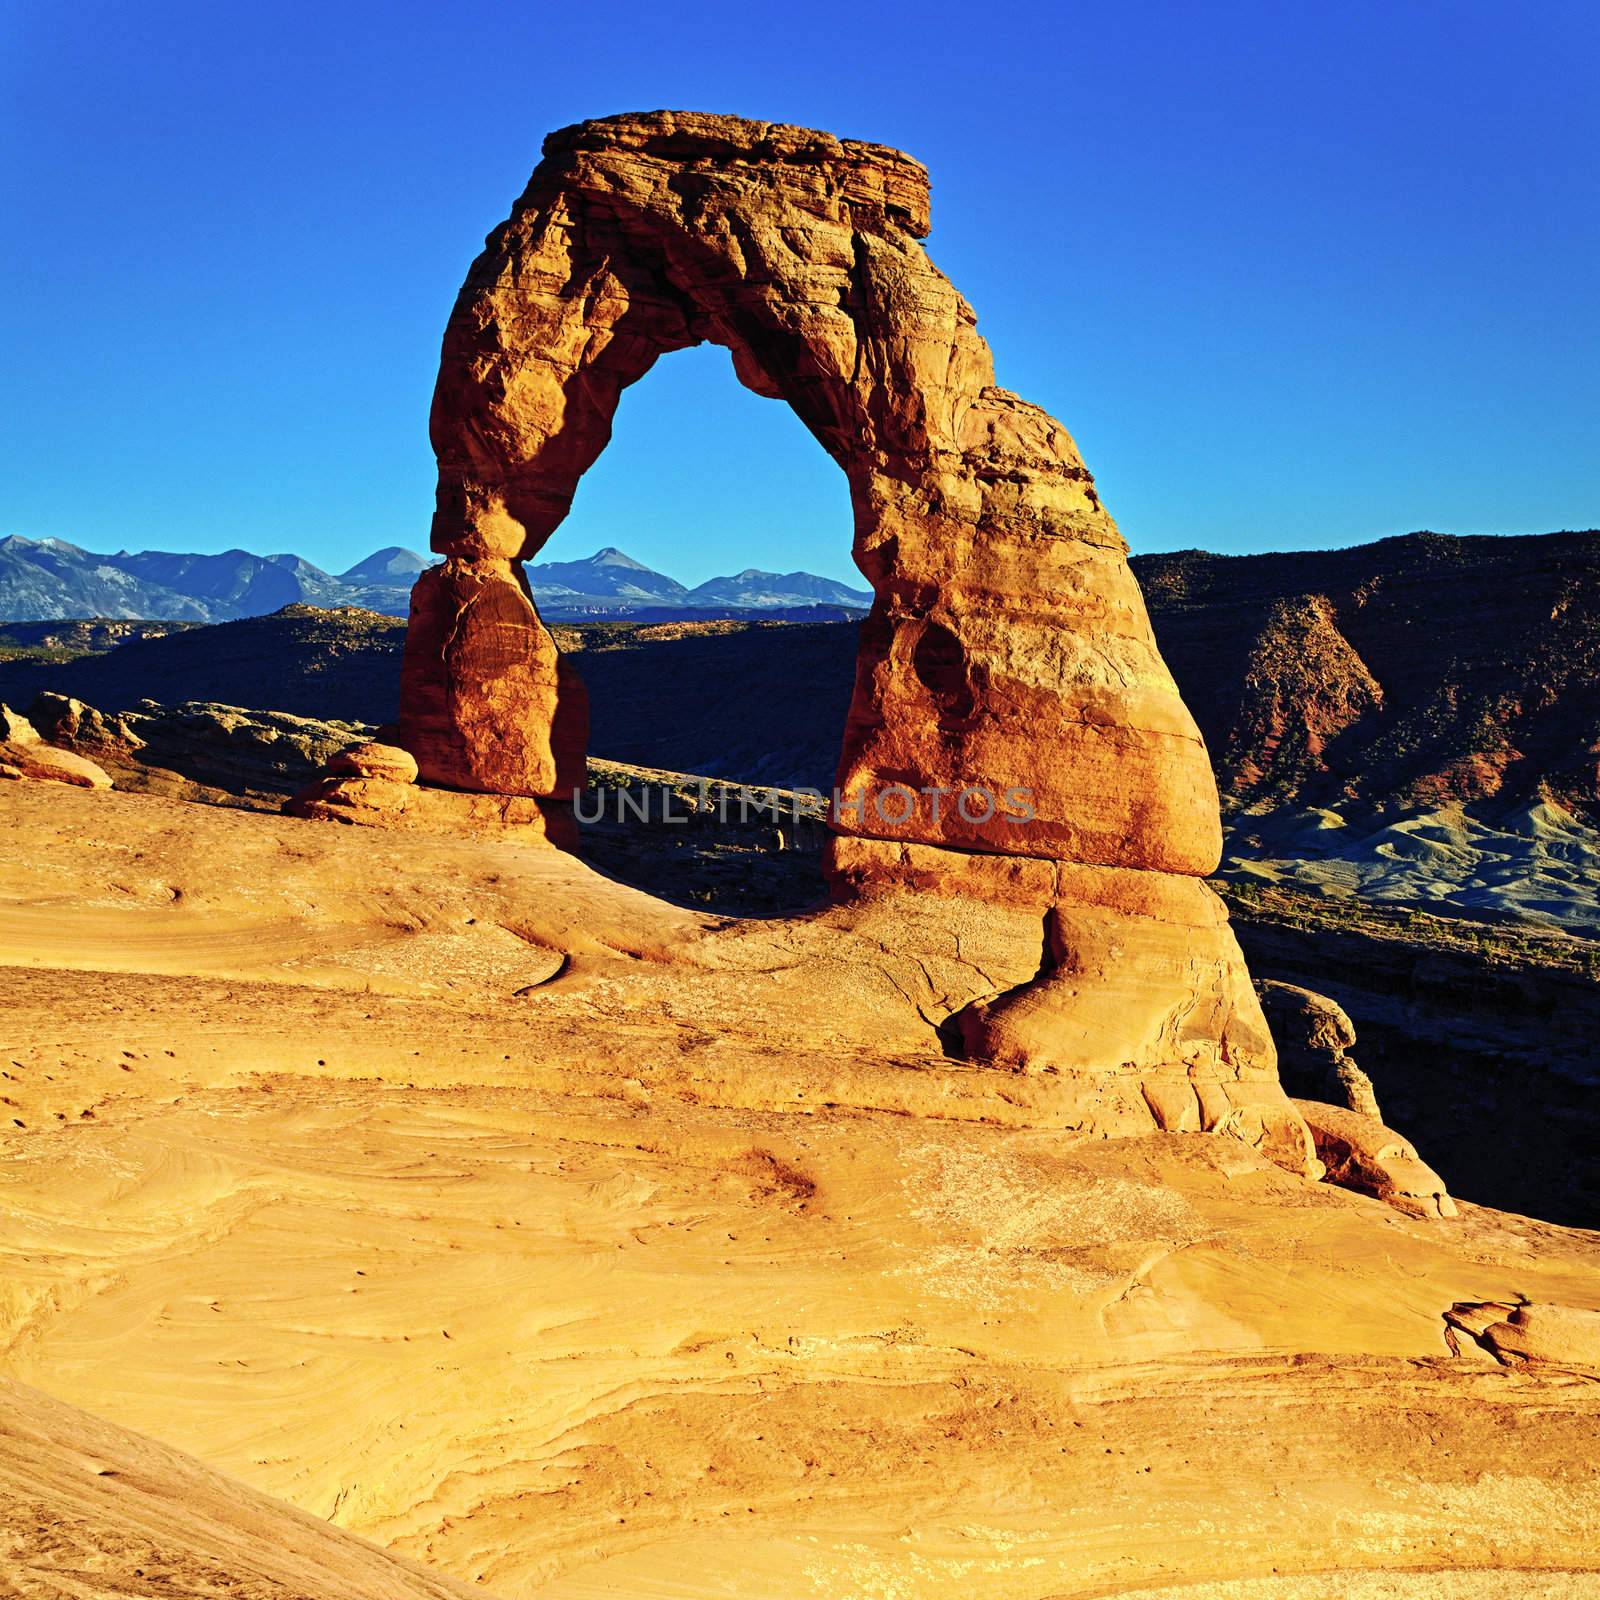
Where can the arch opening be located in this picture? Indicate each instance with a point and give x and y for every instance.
(739, 684)
(701, 478)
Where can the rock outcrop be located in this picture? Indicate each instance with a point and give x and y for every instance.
(375, 784)
(219, 748)
(384, 803)
(1480, 1036)
(1010, 704)
(1314, 1036)
(1361, 1154)
(339, 665)
(1533, 1331)
(23, 754)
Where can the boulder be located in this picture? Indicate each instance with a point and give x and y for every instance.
(16, 729)
(24, 755)
(49, 765)
(1361, 1154)
(374, 760)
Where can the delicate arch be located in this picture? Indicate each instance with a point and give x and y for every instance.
(1007, 649)
(1008, 646)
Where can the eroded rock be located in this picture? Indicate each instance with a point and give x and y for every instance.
(487, 702)
(410, 807)
(374, 760)
(1361, 1154)
(1531, 1331)
(1135, 978)
(231, 749)
(25, 755)
(1010, 705)
(16, 729)
(68, 722)
(1314, 1036)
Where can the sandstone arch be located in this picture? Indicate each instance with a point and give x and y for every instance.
(1008, 645)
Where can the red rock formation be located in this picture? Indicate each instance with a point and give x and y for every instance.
(23, 754)
(1008, 659)
(1361, 1153)
(372, 759)
(1008, 645)
(487, 703)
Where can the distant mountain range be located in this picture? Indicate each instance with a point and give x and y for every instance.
(46, 579)
(43, 579)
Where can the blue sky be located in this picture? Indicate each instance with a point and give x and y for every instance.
(1292, 274)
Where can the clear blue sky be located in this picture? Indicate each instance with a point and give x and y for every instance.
(1293, 274)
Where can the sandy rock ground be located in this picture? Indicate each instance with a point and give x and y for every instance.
(571, 1243)
(88, 1509)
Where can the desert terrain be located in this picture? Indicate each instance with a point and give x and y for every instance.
(568, 1242)
(413, 1186)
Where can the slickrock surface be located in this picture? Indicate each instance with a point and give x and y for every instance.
(1009, 698)
(1479, 1036)
(1140, 970)
(88, 1509)
(575, 1243)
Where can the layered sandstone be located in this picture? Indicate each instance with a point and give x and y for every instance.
(1008, 645)
(384, 800)
(1010, 704)
(1406, 674)
(374, 759)
(24, 755)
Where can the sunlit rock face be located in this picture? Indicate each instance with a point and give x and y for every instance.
(1009, 700)
(1008, 647)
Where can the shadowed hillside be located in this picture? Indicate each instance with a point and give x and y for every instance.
(1317, 677)
(343, 664)
(762, 701)
(1411, 672)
